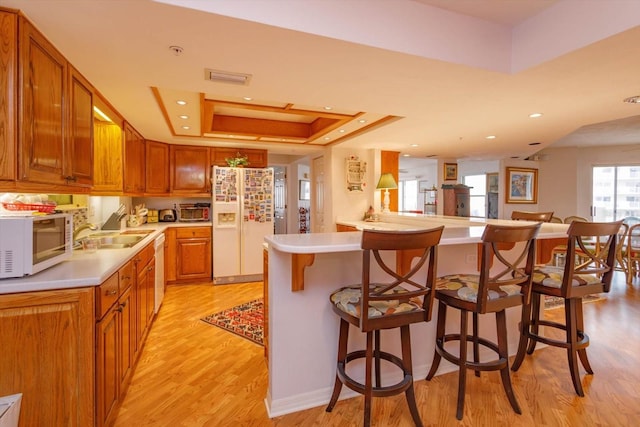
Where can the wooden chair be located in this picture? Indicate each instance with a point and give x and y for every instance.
(395, 303)
(556, 220)
(486, 293)
(569, 219)
(588, 274)
(532, 216)
(631, 252)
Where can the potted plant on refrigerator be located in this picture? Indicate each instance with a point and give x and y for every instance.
(238, 161)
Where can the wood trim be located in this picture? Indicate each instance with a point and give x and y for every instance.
(389, 163)
(298, 263)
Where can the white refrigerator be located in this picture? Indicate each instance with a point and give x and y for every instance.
(242, 209)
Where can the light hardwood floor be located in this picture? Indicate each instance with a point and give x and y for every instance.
(194, 374)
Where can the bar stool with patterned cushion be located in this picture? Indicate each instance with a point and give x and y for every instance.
(509, 253)
(403, 298)
(590, 273)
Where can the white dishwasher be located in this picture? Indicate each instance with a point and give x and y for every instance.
(159, 247)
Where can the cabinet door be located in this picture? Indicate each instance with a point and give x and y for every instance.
(127, 337)
(134, 161)
(256, 158)
(170, 258)
(150, 291)
(43, 85)
(47, 353)
(142, 283)
(79, 158)
(107, 149)
(194, 258)
(8, 98)
(190, 170)
(107, 374)
(157, 168)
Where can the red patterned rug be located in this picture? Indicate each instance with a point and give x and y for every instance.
(245, 320)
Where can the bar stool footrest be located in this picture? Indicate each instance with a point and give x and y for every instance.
(494, 365)
(583, 339)
(384, 391)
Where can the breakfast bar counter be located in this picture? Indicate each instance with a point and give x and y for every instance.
(303, 330)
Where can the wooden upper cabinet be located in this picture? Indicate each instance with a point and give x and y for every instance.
(79, 168)
(257, 158)
(8, 99)
(107, 149)
(190, 170)
(157, 170)
(42, 88)
(134, 161)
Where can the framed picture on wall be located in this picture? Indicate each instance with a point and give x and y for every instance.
(522, 185)
(450, 171)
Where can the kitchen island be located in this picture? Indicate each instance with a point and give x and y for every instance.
(303, 330)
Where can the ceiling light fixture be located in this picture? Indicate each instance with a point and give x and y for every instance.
(406, 155)
(326, 138)
(491, 137)
(186, 127)
(184, 116)
(181, 102)
(362, 121)
(328, 108)
(535, 115)
(247, 98)
(633, 99)
(414, 145)
(341, 131)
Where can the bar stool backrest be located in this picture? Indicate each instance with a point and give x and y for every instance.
(532, 216)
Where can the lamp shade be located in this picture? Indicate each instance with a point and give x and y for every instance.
(386, 182)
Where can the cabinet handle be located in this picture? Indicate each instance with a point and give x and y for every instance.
(119, 309)
(123, 305)
(111, 292)
(71, 178)
(150, 268)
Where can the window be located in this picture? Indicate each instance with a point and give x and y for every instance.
(616, 192)
(408, 195)
(477, 194)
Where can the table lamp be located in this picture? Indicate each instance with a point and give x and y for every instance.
(386, 182)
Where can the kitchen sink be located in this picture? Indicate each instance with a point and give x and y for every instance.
(117, 239)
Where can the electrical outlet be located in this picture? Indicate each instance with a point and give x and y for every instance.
(471, 259)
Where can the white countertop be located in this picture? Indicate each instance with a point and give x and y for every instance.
(88, 269)
(457, 231)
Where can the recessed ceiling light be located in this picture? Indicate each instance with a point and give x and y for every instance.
(534, 143)
(633, 99)
(181, 102)
(186, 127)
(328, 108)
(247, 98)
(491, 137)
(414, 145)
(362, 121)
(326, 138)
(406, 155)
(341, 131)
(184, 116)
(535, 115)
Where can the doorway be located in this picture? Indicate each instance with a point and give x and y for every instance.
(280, 200)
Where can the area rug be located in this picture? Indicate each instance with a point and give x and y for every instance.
(245, 320)
(555, 302)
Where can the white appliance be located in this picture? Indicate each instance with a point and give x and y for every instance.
(242, 216)
(30, 244)
(159, 253)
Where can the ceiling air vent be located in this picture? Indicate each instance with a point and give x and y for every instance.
(226, 77)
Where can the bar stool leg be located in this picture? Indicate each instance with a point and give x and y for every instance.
(476, 345)
(462, 372)
(342, 355)
(525, 326)
(503, 353)
(535, 319)
(580, 325)
(368, 381)
(572, 340)
(405, 338)
(442, 318)
(376, 356)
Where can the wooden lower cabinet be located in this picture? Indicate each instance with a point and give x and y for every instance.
(193, 250)
(47, 354)
(144, 265)
(341, 228)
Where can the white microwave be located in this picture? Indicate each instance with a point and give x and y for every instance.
(30, 244)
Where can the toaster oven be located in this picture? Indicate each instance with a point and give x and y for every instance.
(193, 212)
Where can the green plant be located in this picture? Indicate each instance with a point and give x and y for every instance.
(238, 160)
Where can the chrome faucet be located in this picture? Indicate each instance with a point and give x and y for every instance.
(84, 226)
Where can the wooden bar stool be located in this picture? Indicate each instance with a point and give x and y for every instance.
(589, 273)
(486, 293)
(396, 303)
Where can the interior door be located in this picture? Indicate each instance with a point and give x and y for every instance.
(280, 200)
(317, 196)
